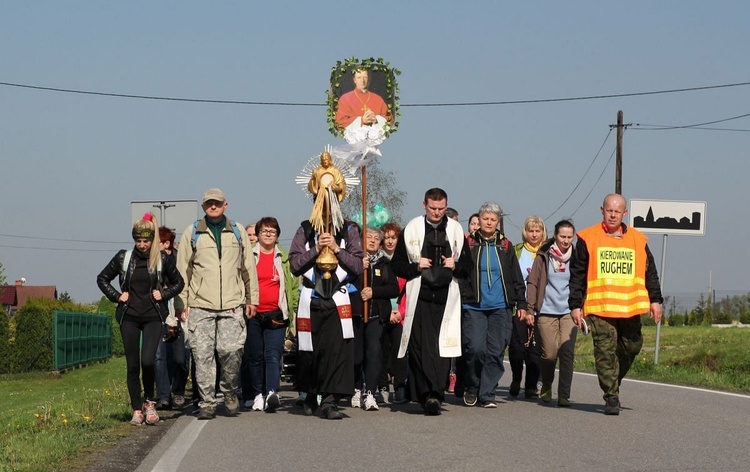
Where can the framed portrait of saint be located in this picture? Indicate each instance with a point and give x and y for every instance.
(362, 94)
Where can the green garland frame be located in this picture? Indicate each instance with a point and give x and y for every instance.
(337, 74)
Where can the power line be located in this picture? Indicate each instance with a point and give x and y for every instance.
(595, 183)
(583, 176)
(307, 104)
(696, 125)
(55, 249)
(62, 239)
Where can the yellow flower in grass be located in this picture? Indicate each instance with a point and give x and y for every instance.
(65, 421)
(37, 415)
(87, 418)
(62, 415)
(107, 392)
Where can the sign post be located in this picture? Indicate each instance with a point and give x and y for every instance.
(667, 217)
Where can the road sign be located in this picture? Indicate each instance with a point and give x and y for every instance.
(668, 217)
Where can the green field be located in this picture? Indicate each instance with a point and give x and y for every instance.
(50, 423)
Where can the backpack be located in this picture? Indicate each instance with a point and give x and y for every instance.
(236, 231)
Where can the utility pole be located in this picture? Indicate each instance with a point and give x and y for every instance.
(618, 164)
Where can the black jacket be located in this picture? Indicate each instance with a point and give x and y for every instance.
(510, 271)
(171, 283)
(384, 286)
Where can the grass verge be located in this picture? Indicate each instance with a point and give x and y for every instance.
(700, 356)
(48, 420)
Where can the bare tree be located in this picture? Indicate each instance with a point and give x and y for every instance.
(382, 188)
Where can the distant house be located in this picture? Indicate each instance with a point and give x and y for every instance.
(14, 297)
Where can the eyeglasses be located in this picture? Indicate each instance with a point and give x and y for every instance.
(268, 232)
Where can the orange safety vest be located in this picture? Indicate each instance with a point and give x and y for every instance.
(616, 277)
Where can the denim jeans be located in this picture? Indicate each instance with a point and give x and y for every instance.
(262, 354)
(164, 368)
(485, 335)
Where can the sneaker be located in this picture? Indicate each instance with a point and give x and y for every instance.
(137, 418)
(152, 417)
(400, 395)
(470, 399)
(357, 399)
(232, 404)
(310, 404)
(272, 402)
(563, 402)
(612, 406)
(489, 405)
(432, 406)
(451, 382)
(546, 394)
(531, 394)
(207, 413)
(385, 395)
(178, 402)
(258, 402)
(370, 403)
(515, 388)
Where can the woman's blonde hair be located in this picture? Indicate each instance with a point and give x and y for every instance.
(529, 223)
(149, 225)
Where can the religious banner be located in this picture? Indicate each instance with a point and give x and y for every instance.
(362, 107)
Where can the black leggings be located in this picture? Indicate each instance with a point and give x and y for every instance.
(131, 329)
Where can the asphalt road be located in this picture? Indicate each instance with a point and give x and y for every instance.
(660, 428)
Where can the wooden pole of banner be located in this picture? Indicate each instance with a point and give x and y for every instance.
(366, 272)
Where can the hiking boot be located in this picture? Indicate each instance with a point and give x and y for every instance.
(563, 402)
(163, 405)
(612, 406)
(207, 413)
(151, 416)
(272, 402)
(137, 418)
(515, 388)
(178, 402)
(546, 394)
(370, 403)
(333, 413)
(258, 402)
(385, 394)
(357, 398)
(451, 382)
(232, 404)
(470, 399)
(489, 404)
(432, 406)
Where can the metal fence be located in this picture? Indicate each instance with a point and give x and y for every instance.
(81, 338)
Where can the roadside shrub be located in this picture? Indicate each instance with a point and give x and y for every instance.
(745, 318)
(722, 318)
(4, 342)
(646, 320)
(676, 320)
(33, 344)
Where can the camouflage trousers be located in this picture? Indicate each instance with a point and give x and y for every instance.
(222, 333)
(617, 342)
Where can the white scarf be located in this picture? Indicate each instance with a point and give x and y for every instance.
(343, 305)
(449, 340)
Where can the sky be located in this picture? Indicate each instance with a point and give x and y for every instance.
(71, 164)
